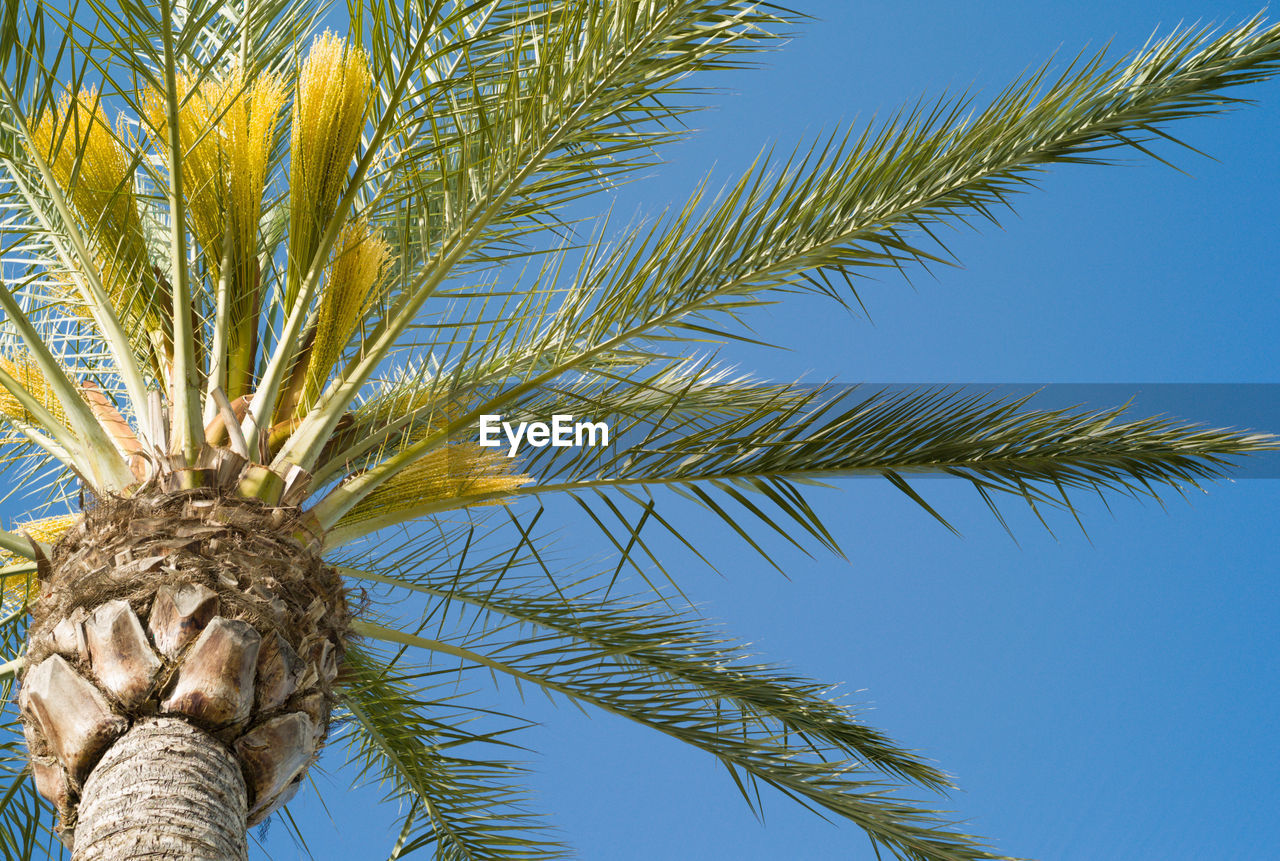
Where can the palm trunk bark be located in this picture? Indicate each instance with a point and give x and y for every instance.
(165, 791)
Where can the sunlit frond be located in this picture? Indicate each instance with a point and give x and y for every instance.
(457, 474)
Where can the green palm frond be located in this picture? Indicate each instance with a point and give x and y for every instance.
(651, 639)
(505, 613)
(727, 452)
(837, 209)
(460, 807)
(997, 444)
(651, 699)
(596, 89)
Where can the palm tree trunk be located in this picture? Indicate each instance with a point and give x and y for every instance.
(164, 790)
(183, 653)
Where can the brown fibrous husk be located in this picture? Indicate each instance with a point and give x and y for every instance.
(247, 552)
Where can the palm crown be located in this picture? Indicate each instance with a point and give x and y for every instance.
(249, 259)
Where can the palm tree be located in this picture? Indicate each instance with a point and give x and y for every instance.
(263, 288)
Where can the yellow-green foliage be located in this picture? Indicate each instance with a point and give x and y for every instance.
(452, 473)
(351, 281)
(27, 373)
(328, 116)
(228, 128)
(90, 163)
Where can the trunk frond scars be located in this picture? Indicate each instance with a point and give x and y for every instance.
(273, 754)
(73, 715)
(213, 609)
(119, 653)
(179, 614)
(215, 683)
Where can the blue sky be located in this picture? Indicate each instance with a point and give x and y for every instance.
(1109, 696)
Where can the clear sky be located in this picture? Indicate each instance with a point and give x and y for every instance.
(1103, 697)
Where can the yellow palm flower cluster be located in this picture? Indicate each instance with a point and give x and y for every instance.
(48, 530)
(89, 161)
(227, 128)
(333, 93)
(454, 472)
(355, 273)
(20, 588)
(28, 374)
